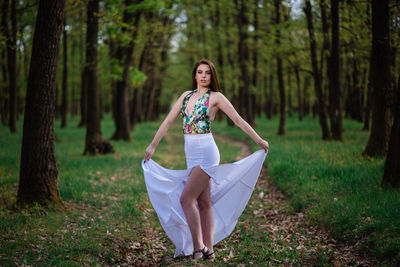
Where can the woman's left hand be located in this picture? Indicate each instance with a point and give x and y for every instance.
(264, 145)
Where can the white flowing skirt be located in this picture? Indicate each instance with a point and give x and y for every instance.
(231, 187)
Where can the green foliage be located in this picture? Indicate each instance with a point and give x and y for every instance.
(136, 76)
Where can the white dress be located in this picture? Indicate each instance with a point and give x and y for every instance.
(231, 187)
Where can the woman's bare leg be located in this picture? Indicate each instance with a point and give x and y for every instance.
(195, 185)
(206, 217)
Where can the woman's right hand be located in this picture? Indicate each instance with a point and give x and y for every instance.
(264, 145)
(149, 152)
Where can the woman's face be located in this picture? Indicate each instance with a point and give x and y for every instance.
(203, 75)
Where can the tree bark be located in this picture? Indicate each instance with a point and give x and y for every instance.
(368, 106)
(94, 141)
(12, 69)
(271, 104)
(290, 103)
(220, 56)
(64, 96)
(382, 81)
(4, 90)
(38, 171)
(83, 98)
(356, 112)
(245, 101)
(335, 92)
(299, 98)
(282, 105)
(124, 55)
(306, 95)
(255, 47)
(392, 165)
(326, 135)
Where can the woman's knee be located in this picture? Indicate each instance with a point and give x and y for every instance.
(204, 203)
(186, 200)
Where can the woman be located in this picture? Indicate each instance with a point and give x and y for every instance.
(192, 190)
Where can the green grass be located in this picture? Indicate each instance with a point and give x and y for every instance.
(108, 210)
(333, 183)
(109, 219)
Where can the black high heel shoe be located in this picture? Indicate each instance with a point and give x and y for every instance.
(207, 255)
(202, 251)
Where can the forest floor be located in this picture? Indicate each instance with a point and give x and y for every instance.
(108, 219)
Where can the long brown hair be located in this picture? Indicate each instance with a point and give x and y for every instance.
(214, 85)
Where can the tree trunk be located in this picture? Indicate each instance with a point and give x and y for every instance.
(392, 166)
(306, 95)
(245, 101)
(299, 98)
(124, 55)
(220, 56)
(83, 99)
(335, 92)
(368, 106)
(326, 135)
(38, 171)
(94, 141)
(290, 104)
(3, 90)
(255, 50)
(64, 96)
(282, 105)
(4, 32)
(356, 95)
(382, 81)
(270, 107)
(12, 68)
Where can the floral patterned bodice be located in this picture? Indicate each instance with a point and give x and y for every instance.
(199, 121)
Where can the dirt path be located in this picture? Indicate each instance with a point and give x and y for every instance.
(272, 214)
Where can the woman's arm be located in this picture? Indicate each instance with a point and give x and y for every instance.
(223, 103)
(171, 117)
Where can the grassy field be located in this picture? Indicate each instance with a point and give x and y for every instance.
(108, 219)
(333, 183)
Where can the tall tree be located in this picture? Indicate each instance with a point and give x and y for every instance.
(94, 143)
(245, 98)
(255, 54)
(382, 80)
(282, 105)
(3, 63)
(12, 66)
(316, 73)
(38, 171)
(270, 98)
(335, 92)
(392, 165)
(124, 55)
(299, 94)
(64, 95)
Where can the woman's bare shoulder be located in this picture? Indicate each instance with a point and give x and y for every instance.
(185, 93)
(218, 96)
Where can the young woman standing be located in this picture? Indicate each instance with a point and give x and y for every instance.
(191, 190)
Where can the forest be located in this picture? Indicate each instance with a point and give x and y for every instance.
(85, 84)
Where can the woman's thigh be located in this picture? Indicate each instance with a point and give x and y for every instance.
(197, 182)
